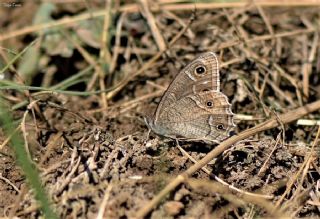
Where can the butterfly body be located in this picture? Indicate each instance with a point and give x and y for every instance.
(193, 108)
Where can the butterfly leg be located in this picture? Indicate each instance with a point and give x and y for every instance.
(147, 136)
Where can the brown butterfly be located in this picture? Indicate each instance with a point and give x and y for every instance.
(193, 108)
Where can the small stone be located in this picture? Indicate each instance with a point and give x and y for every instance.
(173, 208)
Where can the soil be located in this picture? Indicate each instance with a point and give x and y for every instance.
(92, 158)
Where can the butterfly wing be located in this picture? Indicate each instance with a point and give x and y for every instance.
(204, 116)
(193, 106)
(202, 74)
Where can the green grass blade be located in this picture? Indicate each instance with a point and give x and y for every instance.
(26, 165)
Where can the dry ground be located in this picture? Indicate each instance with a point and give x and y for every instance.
(95, 155)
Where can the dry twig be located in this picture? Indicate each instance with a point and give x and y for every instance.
(153, 25)
(271, 123)
(148, 64)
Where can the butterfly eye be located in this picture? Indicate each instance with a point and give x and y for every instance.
(200, 70)
(209, 104)
(220, 127)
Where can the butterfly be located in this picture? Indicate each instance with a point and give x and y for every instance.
(193, 107)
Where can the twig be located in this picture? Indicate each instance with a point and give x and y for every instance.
(10, 183)
(68, 21)
(148, 64)
(307, 66)
(264, 18)
(6, 141)
(247, 117)
(281, 95)
(23, 128)
(226, 193)
(262, 38)
(117, 48)
(294, 178)
(232, 61)
(50, 146)
(98, 70)
(308, 122)
(271, 123)
(231, 187)
(292, 80)
(180, 21)
(300, 192)
(153, 25)
(104, 51)
(68, 179)
(263, 167)
(315, 200)
(62, 22)
(104, 202)
(105, 56)
(139, 99)
(224, 4)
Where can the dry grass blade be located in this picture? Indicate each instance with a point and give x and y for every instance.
(104, 202)
(262, 38)
(98, 69)
(227, 194)
(105, 56)
(230, 187)
(302, 167)
(307, 66)
(116, 47)
(264, 166)
(148, 64)
(153, 25)
(7, 140)
(215, 5)
(104, 51)
(269, 124)
(10, 183)
(68, 21)
(62, 22)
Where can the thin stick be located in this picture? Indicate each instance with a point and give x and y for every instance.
(68, 21)
(6, 141)
(263, 167)
(308, 122)
(262, 38)
(226, 193)
(292, 80)
(116, 48)
(98, 69)
(62, 22)
(271, 123)
(307, 66)
(153, 25)
(264, 18)
(10, 183)
(294, 178)
(104, 203)
(105, 56)
(231, 187)
(148, 64)
(216, 5)
(104, 51)
(24, 130)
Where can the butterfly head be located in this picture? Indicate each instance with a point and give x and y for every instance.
(150, 122)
